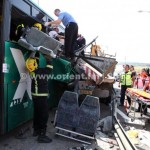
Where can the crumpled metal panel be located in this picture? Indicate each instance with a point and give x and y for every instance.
(95, 68)
(104, 65)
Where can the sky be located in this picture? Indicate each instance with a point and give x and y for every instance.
(122, 26)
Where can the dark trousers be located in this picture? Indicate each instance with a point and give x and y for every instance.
(144, 108)
(123, 91)
(40, 116)
(71, 32)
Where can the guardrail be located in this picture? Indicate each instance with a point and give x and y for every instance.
(122, 138)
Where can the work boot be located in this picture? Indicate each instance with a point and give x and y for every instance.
(36, 133)
(145, 112)
(42, 138)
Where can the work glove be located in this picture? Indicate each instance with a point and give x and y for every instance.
(46, 23)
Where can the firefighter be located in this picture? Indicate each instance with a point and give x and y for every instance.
(17, 32)
(20, 31)
(39, 89)
(38, 26)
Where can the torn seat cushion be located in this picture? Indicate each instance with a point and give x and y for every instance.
(38, 38)
(88, 116)
(67, 108)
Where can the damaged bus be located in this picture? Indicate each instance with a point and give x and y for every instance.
(15, 103)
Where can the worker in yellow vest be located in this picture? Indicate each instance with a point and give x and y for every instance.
(126, 81)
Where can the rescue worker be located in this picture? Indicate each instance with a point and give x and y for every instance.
(126, 81)
(17, 32)
(133, 72)
(80, 42)
(39, 89)
(146, 89)
(71, 31)
(38, 26)
(141, 79)
(142, 82)
(20, 31)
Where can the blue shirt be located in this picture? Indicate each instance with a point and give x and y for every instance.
(66, 18)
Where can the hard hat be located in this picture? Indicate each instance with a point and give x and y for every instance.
(19, 28)
(31, 64)
(20, 25)
(38, 25)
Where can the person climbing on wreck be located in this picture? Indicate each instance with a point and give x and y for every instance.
(71, 31)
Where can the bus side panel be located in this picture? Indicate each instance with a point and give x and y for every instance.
(5, 30)
(18, 103)
(19, 111)
(5, 88)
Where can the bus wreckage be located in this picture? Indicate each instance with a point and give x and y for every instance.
(95, 82)
(87, 79)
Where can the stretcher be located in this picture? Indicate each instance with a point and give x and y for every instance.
(140, 97)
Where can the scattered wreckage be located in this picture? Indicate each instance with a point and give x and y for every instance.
(74, 121)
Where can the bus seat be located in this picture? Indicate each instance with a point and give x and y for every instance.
(88, 115)
(67, 110)
(26, 45)
(35, 39)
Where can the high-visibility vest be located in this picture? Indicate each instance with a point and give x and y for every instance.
(40, 76)
(126, 79)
